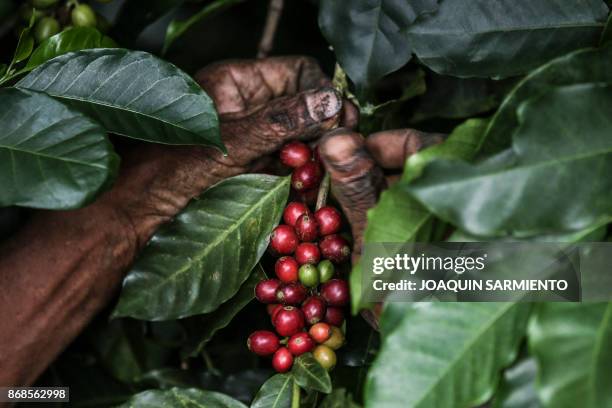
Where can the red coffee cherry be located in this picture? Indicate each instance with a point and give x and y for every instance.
(335, 292)
(293, 211)
(265, 291)
(306, 177)
(334, 316)
(284, 240)
(292, 293)
(314, 309)
(307, 253)
(329, 220)
(335, 248)
(275, 311)
(300, 343)
(295, 154)
(263, 342)
(270, 308)
(320, 332)
(289, 320)
(282, 360)
(286, 269)
(307, 228)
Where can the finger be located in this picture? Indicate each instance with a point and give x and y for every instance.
(391, 148)
(350, 116)
(303, 116)
(356, 180)
(243, 84)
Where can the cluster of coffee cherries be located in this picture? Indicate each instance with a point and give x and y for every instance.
(306, 300)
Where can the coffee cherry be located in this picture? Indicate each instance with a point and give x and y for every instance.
(45, 27)
(307, 253)
(41, 4)
(320, 332)
(295, 154)
(306, 177)
(325, 356)
(283, 240)
(83, 16)
(292, 293)
(300, 343)
(293, 211)
(334, 316)
(326, 270)
(282, 360)
(263, 342)
(336, 340)
(265, 291)
(289, 320)
(314, 309)
(286, 269)
(307, 228)
(329, 220)
(271, 307)
(335, 248)
(335, 292)
(277, 308)
(309, 275)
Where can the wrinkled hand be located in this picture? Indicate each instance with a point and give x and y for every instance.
(356, 165)
(63, 267)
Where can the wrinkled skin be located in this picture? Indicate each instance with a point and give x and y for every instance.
(63, 267)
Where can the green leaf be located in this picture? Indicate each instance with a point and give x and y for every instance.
(275, 393)
(200, 260)
(50, 156)
(203, 328)
(443, 354)
(579, 67)
(552, 157)
(366, 34)
(338, 398)
(24, 46)
(398, 217)
(572, 343)
(501, 38)
(178, 28)
(310, 375)
(606, 35)
(72, 39)
(181, 398)
(3, 68)
(131, 93)
(517, 389)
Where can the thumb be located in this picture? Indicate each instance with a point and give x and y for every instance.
(303, 116)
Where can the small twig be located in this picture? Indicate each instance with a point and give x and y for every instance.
(323, 192)
(295, 401)
(275, 10)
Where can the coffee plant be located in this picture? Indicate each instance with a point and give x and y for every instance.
(171, 240)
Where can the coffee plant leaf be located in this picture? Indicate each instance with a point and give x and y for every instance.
(275, 393)
(202, 328)
(366, 34)
(131, 93)
(72, 39)
(606, 35)
(181, 397)
(398, 217)
(579, 67)
(52, 156)
(199, 260)
(443, 354)
(550, 161)
(310, 375)
(518, 386)
(503, 38)
(339, 398)
(572, 343)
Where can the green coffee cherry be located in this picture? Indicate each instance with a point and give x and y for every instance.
(45, 28)
(326, 270)
(309, 275)
(41, 4)
(83, 16)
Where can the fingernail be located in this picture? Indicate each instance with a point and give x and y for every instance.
(323, 104)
